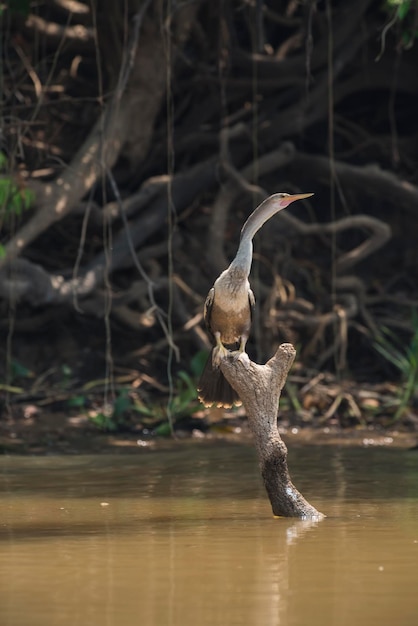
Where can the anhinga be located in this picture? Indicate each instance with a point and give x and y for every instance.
(229, 304)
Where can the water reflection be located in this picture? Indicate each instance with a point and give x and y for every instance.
(187, 537)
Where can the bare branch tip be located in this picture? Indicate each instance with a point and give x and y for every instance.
(286, 350)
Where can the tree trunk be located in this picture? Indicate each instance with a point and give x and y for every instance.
(259, 387)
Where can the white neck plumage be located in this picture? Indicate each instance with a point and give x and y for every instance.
(266, 210)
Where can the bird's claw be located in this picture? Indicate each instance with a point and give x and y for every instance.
(239, 355)
(219, 353)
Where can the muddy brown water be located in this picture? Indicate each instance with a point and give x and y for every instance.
(186, 537)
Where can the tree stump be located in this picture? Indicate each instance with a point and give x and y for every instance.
(259, 387)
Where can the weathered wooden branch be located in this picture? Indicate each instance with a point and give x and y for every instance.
(259, 387)
(140, 93)
(24, 280)
(380, 233)
(79, 37)
(371, 179)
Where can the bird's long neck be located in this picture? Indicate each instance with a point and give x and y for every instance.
(243, 258)
(258, 217)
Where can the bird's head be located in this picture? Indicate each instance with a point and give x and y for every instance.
(287, 198)
(269, 207)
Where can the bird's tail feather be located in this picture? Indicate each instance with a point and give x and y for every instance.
(213, 388)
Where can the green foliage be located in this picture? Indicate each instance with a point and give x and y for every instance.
(117, 417)
(163, 430)
(403, 7)
(184, 403)
(404, 15)
(198, 362)
(405, 360)
(155, 416)
(13, 200)
(19, 371)
(292, 397)
(77, 402)
(104, 422)
(66, 376)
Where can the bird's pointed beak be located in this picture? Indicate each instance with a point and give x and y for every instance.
(296, 196)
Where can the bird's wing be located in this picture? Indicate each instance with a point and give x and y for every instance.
(208, 308)
(251, 300)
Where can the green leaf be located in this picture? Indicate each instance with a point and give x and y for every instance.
(403, 8)
(28, 198)
(5, 191)
(391, 355)
(142, 409)
(188, 382)
(2, 251)
(20, 371)
(13, 201)
(198, 362)
(163, 430)
(122, 403)
(104, 422)
(77, 402)
(66, 370)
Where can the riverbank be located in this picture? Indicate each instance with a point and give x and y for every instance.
(57, 433)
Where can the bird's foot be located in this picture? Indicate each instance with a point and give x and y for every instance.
(219, 352)
(240, 355)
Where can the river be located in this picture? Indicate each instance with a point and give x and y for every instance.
(186, 537)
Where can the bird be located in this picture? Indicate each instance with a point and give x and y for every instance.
(229, 306)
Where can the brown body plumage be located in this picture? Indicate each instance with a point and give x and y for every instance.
(229, 304)
(228, 313)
